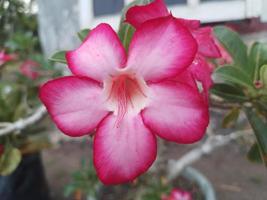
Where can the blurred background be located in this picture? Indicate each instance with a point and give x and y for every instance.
(31, 31)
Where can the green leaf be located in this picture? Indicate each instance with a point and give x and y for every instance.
(59, 57)
(263, 75)
(254, 154)
(228, 92)
(260, 129)
(234, 75)
(69, 189)
(235, 46)
(126, 30)
(9, 161)
(258, 56)
(231, 118)
(83, 33)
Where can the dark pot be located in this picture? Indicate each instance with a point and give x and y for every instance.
(27, 182)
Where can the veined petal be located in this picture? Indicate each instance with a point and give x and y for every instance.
(137, 15)
(75, 104)
(100, 54)
(123, 151)
(206, 44)
(176, 112)
(160, 49)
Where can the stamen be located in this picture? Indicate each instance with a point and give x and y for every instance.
(124, 91)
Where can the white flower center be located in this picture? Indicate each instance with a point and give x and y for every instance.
(125, 93)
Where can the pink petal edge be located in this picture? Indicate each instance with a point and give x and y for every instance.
(99, 56)
(160, 49)
(74, 104)
(177, 112)
(123, 151)
(137, 15)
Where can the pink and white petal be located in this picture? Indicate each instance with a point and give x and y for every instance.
(176, 112)
(186, 77)
(206, 44)
(202, 72)
(75, 104)
(99, 56)
(137, 15)
(160, 49)
(124, 150)
(191, 24)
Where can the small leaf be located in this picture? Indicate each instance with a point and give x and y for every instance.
(59, 57)
(258, 56)
(228, 92)
(231, 118)
(9, 161)
(263, 75)
(126, 30)
(260, 130)
(83, 33)
(235, 46)
(254, 154)
(234, 75)
(69, 189)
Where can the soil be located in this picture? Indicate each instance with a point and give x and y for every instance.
(232, 175)
(227, 168)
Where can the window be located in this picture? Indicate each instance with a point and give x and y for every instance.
(107, 7)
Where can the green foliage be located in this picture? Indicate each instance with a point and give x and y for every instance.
(245, 84)
(234, 75)
(84, 180)
(126, 30)
(11, 95)
(259, 126)
(156, 189)
(235, 46)
(18, 26)
(254, 154)
(9, 160)
(59, 57)
(83, 33)
(229, 92)
(263, 75)
(257, 57)
(231, 118)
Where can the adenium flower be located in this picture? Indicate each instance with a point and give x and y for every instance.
(207, 47)
(129, 99)
(178, 194)
(29, 69)
(5, 57)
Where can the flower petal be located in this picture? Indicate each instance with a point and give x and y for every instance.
(206, 44)
(123, 151)
(137, 15)
(161, 48)
(75, 104)
(100, 54)
(176, 112)
(191, 24)
(202, 72)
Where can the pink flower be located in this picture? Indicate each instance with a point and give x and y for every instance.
(129, 99)
(5, 57)
(207, 48)
(29, 69)
(177, 194)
